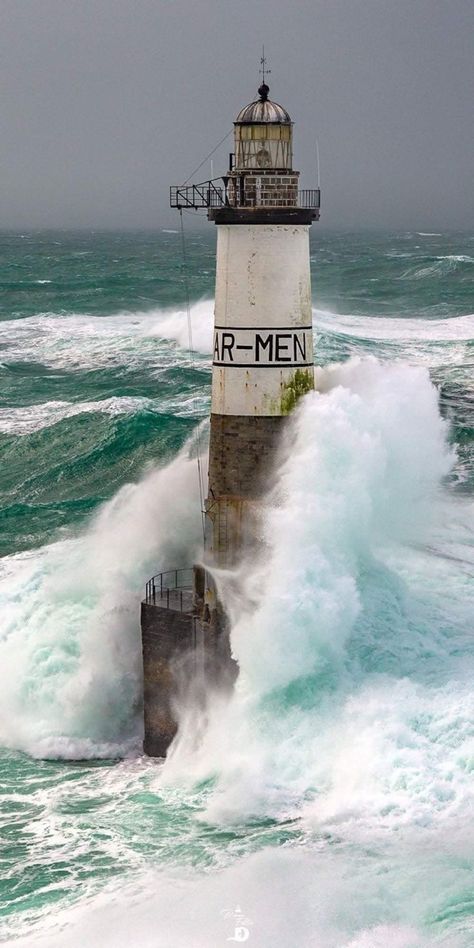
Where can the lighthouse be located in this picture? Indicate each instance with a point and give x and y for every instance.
(262, 363)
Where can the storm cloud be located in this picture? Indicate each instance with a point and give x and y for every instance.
(105, 103)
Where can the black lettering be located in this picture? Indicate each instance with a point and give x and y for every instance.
(216, 346)
(227, 346)
(301, 345)
(261, 343)
(282, 347)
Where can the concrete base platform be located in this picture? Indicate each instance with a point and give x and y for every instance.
(181, 653)
(167, 637)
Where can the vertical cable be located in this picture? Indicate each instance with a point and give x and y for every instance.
(192, 360)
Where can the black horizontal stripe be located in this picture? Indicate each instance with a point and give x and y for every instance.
(264, 328)
(265, 365)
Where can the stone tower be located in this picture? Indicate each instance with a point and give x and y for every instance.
(262, 363)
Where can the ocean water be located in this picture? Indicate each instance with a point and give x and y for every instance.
(329, 802)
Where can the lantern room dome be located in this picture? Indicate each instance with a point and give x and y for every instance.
(263, 110)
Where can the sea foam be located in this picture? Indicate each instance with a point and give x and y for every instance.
(348, 634)
(128, 339)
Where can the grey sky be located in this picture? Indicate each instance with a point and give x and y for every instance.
(105, 103)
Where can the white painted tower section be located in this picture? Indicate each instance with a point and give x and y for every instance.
(263, 319)
(263, 336)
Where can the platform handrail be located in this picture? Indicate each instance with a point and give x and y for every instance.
(208, 194)
(195, 196)
(169, 586)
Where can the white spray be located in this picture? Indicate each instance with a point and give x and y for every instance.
(350, 613)
(70, 650)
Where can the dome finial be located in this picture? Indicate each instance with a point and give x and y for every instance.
(264, 89)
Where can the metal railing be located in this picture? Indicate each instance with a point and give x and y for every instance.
(197, 195)
(206, 194)
(172, 589)
(309, 198)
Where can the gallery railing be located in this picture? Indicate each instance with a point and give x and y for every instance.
(208, 194)
(172, 589)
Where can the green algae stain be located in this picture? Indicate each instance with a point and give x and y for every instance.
(301, 382)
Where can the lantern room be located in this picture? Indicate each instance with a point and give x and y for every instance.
(263, 136)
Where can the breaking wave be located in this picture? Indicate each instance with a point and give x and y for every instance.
(348, 604)
(440, 266)
(72, 341)
(456, 329)
(31, 418)
(70, 653)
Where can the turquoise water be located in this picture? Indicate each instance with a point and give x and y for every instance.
(331, 798)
